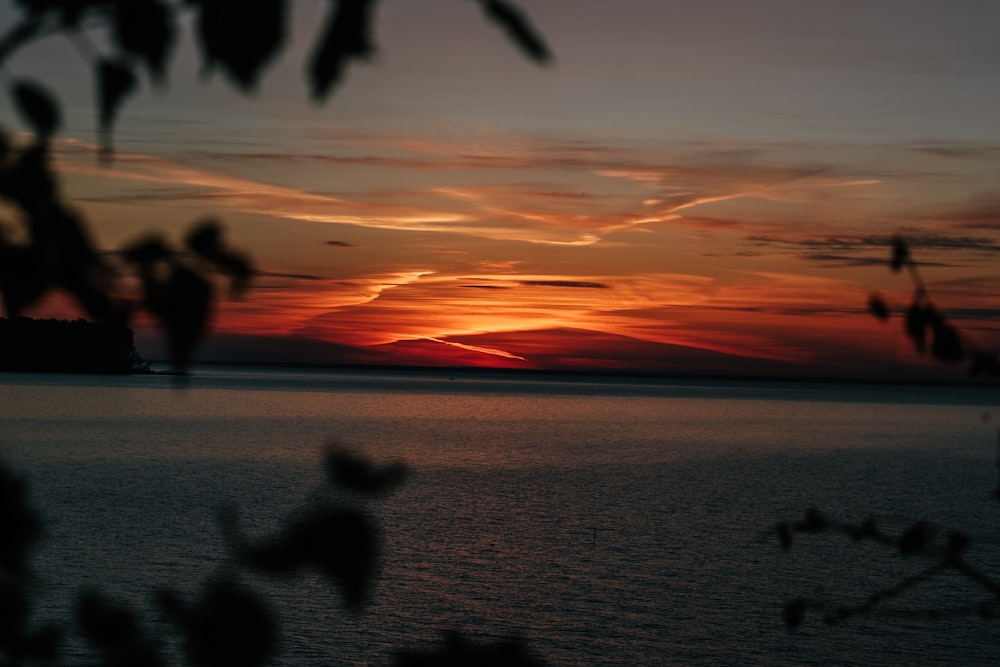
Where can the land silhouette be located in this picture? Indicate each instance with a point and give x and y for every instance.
(68, 346)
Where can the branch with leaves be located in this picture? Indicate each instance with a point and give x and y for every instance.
(944, 549)
(54, 251)
(239, 39)
(927, 327)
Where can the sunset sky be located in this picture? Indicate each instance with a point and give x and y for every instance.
(691, 185)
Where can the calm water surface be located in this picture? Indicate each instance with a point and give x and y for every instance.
(611, 522)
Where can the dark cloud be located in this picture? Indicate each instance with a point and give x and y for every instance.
(341, 244)
(741, 253)
(292, 276)
(983, 213)
(917, 240)
(564, 283)
(151, 195)
(713, 223)
(486, 286)
(973, 313)
(957, 150)
(845, 261)
(801, 311)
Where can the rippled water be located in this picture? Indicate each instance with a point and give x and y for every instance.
(609, 522)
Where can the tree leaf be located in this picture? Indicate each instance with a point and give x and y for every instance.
(145, 28)
(71, 12)
(340, 543)
(115, 82)
(515, 24)
(104, 623)
(146, 252)
(354, 472)
(900, 254)
(347, 35)
(916, 325)
(946, 344)
(182, 303)
(229, 625)
(205, 239)
(19, 526)
(878, 307)
(241, 37)
(37, 107)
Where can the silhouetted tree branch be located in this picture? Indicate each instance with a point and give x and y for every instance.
(943, 549)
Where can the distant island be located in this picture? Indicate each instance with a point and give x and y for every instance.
(68, 346)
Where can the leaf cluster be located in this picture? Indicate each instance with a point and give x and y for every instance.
(239, 39)
(927, 327)
(54, 252)
(930, 332)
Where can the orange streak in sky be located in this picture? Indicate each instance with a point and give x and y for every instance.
(476, 348)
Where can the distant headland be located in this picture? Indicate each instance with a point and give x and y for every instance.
(68, 346)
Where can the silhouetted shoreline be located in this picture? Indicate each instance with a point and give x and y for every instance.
(960, 380)
(68, 346)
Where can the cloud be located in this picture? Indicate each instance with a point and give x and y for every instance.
(982, 213)
(843, 261)
(831, 248)
(956, 150)
(728, 200)
(292, 276)
(566, 283)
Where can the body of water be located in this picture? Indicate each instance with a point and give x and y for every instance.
(606, 521)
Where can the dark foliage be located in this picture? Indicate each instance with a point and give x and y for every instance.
(927, 327)
(239, 38)
(145, 30)
(115, 632)
(518, 28)
(942, 550)
(20, 531)
(347, 36)
(37, 107)
(339, 542)
(229, 626)
(115, 82)
(356, 473)
(57, 254)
